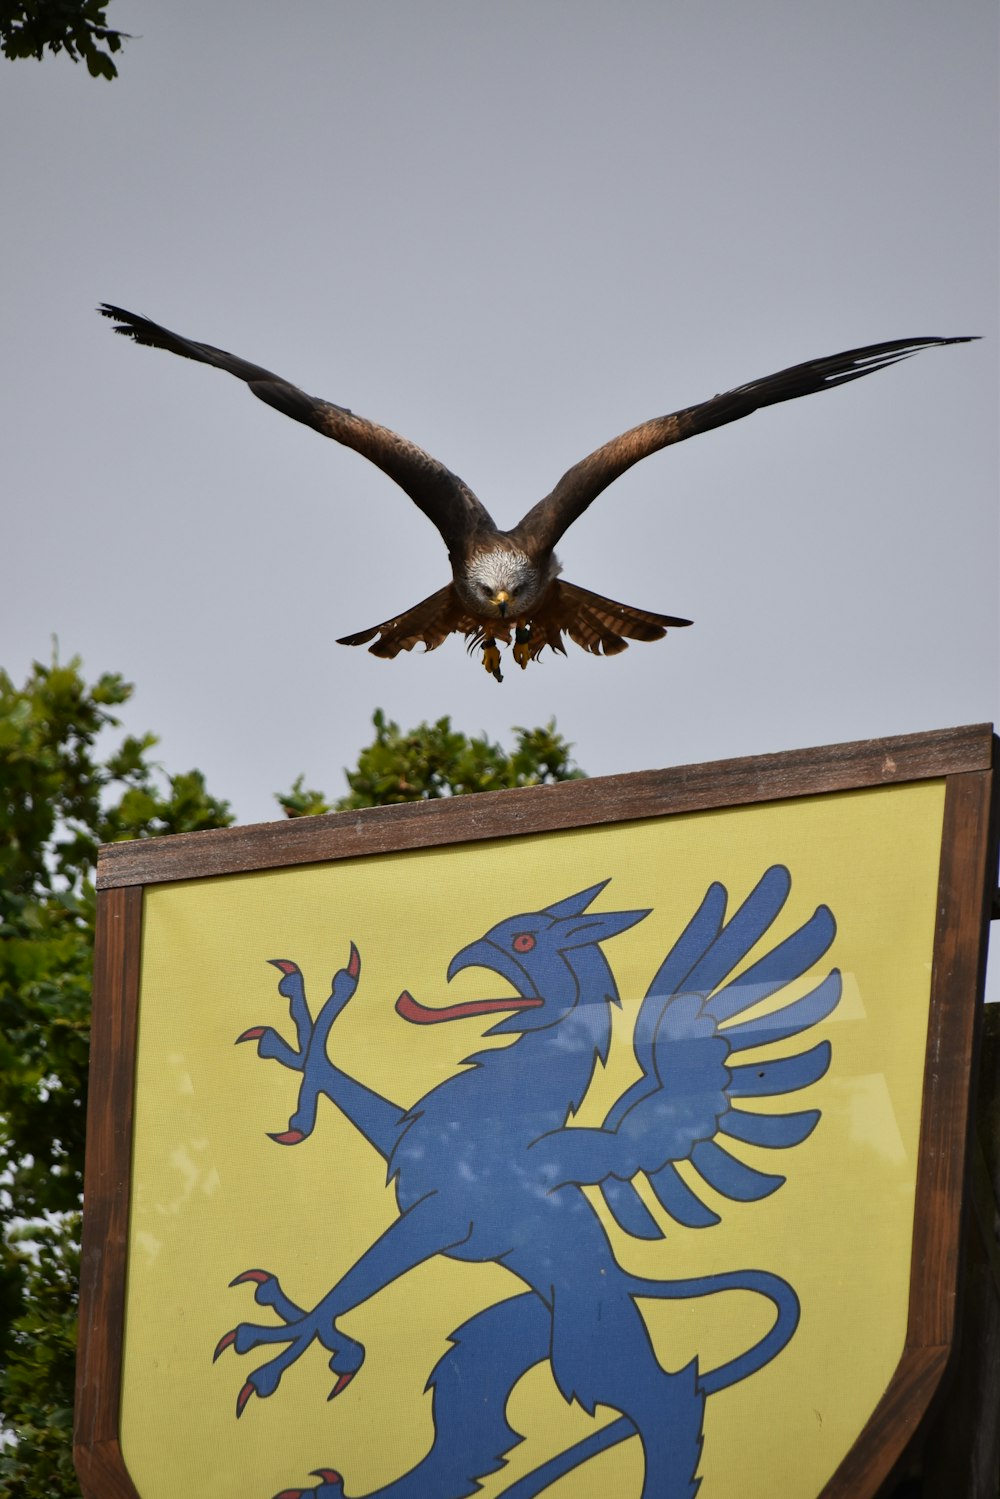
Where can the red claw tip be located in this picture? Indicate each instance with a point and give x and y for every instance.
(243, 1397)
(328, 1475)
(285, 964)
(342, 1382)
(354, 962)
(260, 1277)
(291, 1494)
(287, 1137)
(224, 1343)
(253, 1034)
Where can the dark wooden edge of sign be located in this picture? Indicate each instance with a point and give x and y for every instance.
(965, 888)
(96, 1451)
(967, 874)
(543, 809)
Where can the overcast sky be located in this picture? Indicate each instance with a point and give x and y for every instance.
(508, 231)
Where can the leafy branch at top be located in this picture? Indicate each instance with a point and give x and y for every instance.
(78, 27)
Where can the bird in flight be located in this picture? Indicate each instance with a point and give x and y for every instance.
(508, 581)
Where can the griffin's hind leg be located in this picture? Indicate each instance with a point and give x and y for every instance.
(665, 1410)
(471, 1385)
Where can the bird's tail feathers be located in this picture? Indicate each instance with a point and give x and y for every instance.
(426, 624)
(597, 624)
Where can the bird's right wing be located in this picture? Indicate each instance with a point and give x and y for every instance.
(447, 502)
(543, 525)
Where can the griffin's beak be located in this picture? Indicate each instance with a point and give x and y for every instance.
(502, 599)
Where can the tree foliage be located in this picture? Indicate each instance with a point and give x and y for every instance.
(435, 760)
(63, 790)
(69, 782)
(78, 27)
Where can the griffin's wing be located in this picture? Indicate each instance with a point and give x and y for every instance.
(446, 501)
(426, 624)
(545, 523)
(688, 1037)
(597, 624)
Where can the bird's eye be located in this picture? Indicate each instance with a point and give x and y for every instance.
(523, 942)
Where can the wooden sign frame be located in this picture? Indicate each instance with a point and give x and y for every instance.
(965, 758)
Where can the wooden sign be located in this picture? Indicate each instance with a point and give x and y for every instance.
(599, 1138)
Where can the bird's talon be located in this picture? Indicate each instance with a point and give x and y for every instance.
(253, 1034)
(286, 1137)
(342, 1382)
(491, 658)
(524, 648)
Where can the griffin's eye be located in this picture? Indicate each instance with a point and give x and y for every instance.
(523, 942)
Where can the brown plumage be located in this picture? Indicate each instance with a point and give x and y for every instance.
(509, 580)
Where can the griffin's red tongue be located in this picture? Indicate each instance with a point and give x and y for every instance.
(411, 1009)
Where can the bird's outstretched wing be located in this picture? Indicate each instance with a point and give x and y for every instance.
(426, 624)
(446, 501)
(543, 525)
(599, 625)
(689, 1036)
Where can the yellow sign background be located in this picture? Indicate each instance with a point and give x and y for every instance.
(213, 1196)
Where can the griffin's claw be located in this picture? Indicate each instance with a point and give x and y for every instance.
(287, 1137)
(341, 1385)
(242, 1398)
(261, 1277)
(253, 1034)
(354, 962)
(285, 964)
(224, 1343)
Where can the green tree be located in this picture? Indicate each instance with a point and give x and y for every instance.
(78, 27)
(436, 760)
(63, 791)
(68, 782)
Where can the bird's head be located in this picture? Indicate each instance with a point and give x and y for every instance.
(501, 582)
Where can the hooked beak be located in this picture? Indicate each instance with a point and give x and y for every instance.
(502, 598)
(479, 954)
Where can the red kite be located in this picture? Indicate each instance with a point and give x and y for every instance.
(504, 580)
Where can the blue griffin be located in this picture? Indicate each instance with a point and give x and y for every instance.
(488, 1167)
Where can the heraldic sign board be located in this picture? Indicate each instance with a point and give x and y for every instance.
(603, 1138)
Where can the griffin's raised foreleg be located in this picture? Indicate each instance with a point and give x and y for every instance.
(374, 1116)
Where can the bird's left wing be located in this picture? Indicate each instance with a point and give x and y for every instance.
(579, 486)
(446, 501)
